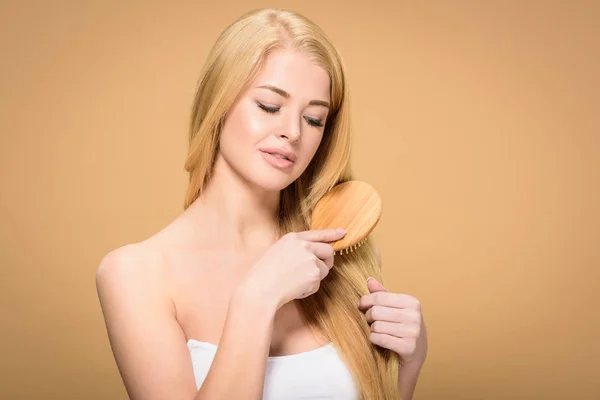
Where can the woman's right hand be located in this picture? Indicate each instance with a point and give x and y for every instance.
(293, 267)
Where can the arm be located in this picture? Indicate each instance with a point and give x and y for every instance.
(407, 380)
(238, 370)
(148, 345)
(150, 348)
(408, 373)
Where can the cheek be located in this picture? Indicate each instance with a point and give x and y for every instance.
(252, 123)
(311, 145)
(244, 125)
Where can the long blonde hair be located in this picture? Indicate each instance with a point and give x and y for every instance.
(233, 62)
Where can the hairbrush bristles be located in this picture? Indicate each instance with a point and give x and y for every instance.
(351, 248)
(354, 206)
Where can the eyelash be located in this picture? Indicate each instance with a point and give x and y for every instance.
(273, 110)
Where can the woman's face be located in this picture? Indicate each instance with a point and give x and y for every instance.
(284, 111)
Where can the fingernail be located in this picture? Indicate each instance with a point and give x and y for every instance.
(369, 278)
(341, 230)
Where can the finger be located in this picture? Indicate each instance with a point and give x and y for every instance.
(374, 286)
(399, 330)
(399, 345)
(322, 235)
(391, 314)
(388, 299)
(324, 268)
(308, 293)
(311, 290)
(323, 251)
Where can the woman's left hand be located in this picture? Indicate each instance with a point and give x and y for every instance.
(396, 322)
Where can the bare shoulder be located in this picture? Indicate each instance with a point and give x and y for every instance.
(140, 320)
(130, 280)
(121, 260)
(134, 265)
(150, 264)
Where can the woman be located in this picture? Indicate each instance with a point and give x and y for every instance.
(236, 298)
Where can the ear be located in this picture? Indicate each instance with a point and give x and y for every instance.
(378, 256)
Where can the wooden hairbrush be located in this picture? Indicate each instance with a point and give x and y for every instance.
(354, 206)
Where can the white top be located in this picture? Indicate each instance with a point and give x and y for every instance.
(314, 374)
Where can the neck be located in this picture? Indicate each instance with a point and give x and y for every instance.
(240, 212)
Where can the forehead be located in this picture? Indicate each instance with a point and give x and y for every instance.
(294, 72)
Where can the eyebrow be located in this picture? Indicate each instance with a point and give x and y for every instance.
(285, 94)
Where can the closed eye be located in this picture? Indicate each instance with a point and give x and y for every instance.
(273, 110)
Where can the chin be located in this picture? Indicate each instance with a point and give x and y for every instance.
(271, 182)
(269, 178)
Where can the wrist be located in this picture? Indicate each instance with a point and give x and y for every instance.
(415, 362)
(251, 299)
(417, 359)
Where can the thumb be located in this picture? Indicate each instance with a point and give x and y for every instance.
(375, 286)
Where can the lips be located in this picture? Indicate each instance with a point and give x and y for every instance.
(277, 161)
(280, 153)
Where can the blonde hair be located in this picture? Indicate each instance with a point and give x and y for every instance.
(233, 62)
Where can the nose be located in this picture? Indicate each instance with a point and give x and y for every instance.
(291, 129)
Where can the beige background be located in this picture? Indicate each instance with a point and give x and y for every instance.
(478, 121)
